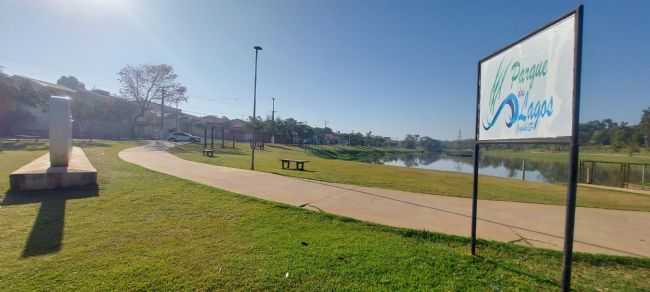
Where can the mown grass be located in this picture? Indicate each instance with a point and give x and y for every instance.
(355, 153)
(147, 231)
(412, 179)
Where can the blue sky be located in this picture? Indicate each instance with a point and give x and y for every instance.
(392, 67)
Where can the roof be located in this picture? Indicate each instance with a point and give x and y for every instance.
(48, 84)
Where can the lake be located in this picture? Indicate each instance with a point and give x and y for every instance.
(536, 170)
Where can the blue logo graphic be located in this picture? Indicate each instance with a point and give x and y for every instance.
(524, 116)
(511, 101)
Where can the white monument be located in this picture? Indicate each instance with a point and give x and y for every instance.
(65, 166)
(60, 130)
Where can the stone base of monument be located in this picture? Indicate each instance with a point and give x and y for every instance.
(40, 175)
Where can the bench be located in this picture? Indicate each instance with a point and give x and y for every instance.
(300, 164)
(208, 152)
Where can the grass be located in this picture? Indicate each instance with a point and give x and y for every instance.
(142, 230)
(412, 179)
(586, 153)
(355, 153)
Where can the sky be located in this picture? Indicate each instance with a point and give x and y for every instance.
(390, 67)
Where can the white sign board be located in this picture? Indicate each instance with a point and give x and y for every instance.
(527, 90)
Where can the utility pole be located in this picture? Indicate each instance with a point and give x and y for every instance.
(162, 113)
(177, 117)
(257, 49)
(273, 122)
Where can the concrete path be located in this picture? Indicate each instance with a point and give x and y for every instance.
(597, 230)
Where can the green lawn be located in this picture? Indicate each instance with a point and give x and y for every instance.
(412, 179)
(142, 230)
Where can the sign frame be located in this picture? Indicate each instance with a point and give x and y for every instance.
(572, 140)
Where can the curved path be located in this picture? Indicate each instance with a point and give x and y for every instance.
(597, 230)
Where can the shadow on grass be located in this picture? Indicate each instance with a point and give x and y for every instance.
(47, 232)
(278, 146)
(537, 278)
(279, 171)
(230, 151)
(199, 148)
(22, 145)
(89, 143)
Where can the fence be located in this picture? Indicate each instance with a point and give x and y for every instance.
(618, 174)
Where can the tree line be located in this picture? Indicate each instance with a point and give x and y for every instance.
(291, 131)
(100, 114)
(619, 136)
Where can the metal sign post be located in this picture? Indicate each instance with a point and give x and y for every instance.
(573, 158)
(530, 113)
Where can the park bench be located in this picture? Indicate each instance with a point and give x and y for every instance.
(208, 152)
(300, 164)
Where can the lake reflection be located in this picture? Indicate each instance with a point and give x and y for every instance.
(542, 171)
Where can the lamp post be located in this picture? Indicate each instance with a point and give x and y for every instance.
(257, 49)
(162, 114)
(273, 122)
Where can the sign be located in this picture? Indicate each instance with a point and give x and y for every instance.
(529, 92)
(526, 89)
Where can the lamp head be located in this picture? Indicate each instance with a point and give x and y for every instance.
(257, 48)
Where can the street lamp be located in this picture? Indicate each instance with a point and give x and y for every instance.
(273, 122)
(257, 49)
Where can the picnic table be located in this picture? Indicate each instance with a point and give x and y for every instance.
(300, 164)
(208, 152)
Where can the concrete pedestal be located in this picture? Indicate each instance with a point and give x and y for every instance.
(41, 175)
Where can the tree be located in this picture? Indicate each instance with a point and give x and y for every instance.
(71, 82)
(144, 84)
(289, 127)
(644, 126)
(84, 112)
(16, 96)
(429, 144)
(411, 141)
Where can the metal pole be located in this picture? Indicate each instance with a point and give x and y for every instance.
(622, 174)
(475, 196)
(273, 122)
(211, 137)
(205, 137)
(223, 137)
(573, 158)
(476, 159)
(254, 108)
(523, 169)
(162, 112)
(177, 117)
(643, 174)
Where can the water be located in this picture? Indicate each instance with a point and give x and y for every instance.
(608, 174)
(541, 171)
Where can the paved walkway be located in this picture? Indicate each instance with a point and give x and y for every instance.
(597, 230)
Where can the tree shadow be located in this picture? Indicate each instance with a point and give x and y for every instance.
(22, 145)
(279, 146)
(537, 278)
(47, 232)
(296, 170)
(89, 143)
(230, 151)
